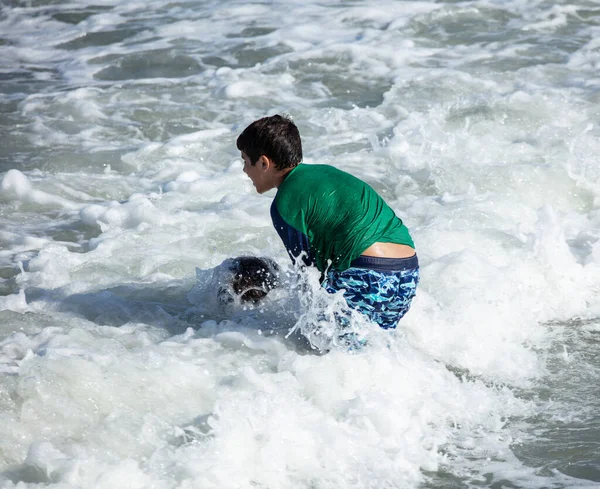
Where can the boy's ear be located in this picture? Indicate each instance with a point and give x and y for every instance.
(265, 162)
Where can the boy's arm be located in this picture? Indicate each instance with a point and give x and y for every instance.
(296, 242)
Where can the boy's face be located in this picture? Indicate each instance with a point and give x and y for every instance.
(259, 173)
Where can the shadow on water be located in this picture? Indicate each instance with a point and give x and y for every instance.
(166, 306)
(152, 304)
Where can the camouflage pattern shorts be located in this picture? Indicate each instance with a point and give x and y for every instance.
(380, 288)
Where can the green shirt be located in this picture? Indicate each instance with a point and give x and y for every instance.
(332, 217)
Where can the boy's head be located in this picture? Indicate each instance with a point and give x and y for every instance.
(275, 137)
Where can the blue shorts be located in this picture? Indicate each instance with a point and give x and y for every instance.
(380, 288)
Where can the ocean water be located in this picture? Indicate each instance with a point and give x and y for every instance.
(478, 121)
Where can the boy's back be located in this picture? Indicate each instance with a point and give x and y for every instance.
(340, 214)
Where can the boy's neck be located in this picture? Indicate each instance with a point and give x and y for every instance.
(282, 175)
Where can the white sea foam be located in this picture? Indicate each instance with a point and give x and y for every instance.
(15, 185)
(123, 178)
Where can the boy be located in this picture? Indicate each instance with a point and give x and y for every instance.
(334, 221)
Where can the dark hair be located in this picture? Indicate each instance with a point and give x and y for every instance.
(275, 137)
(252, 277)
